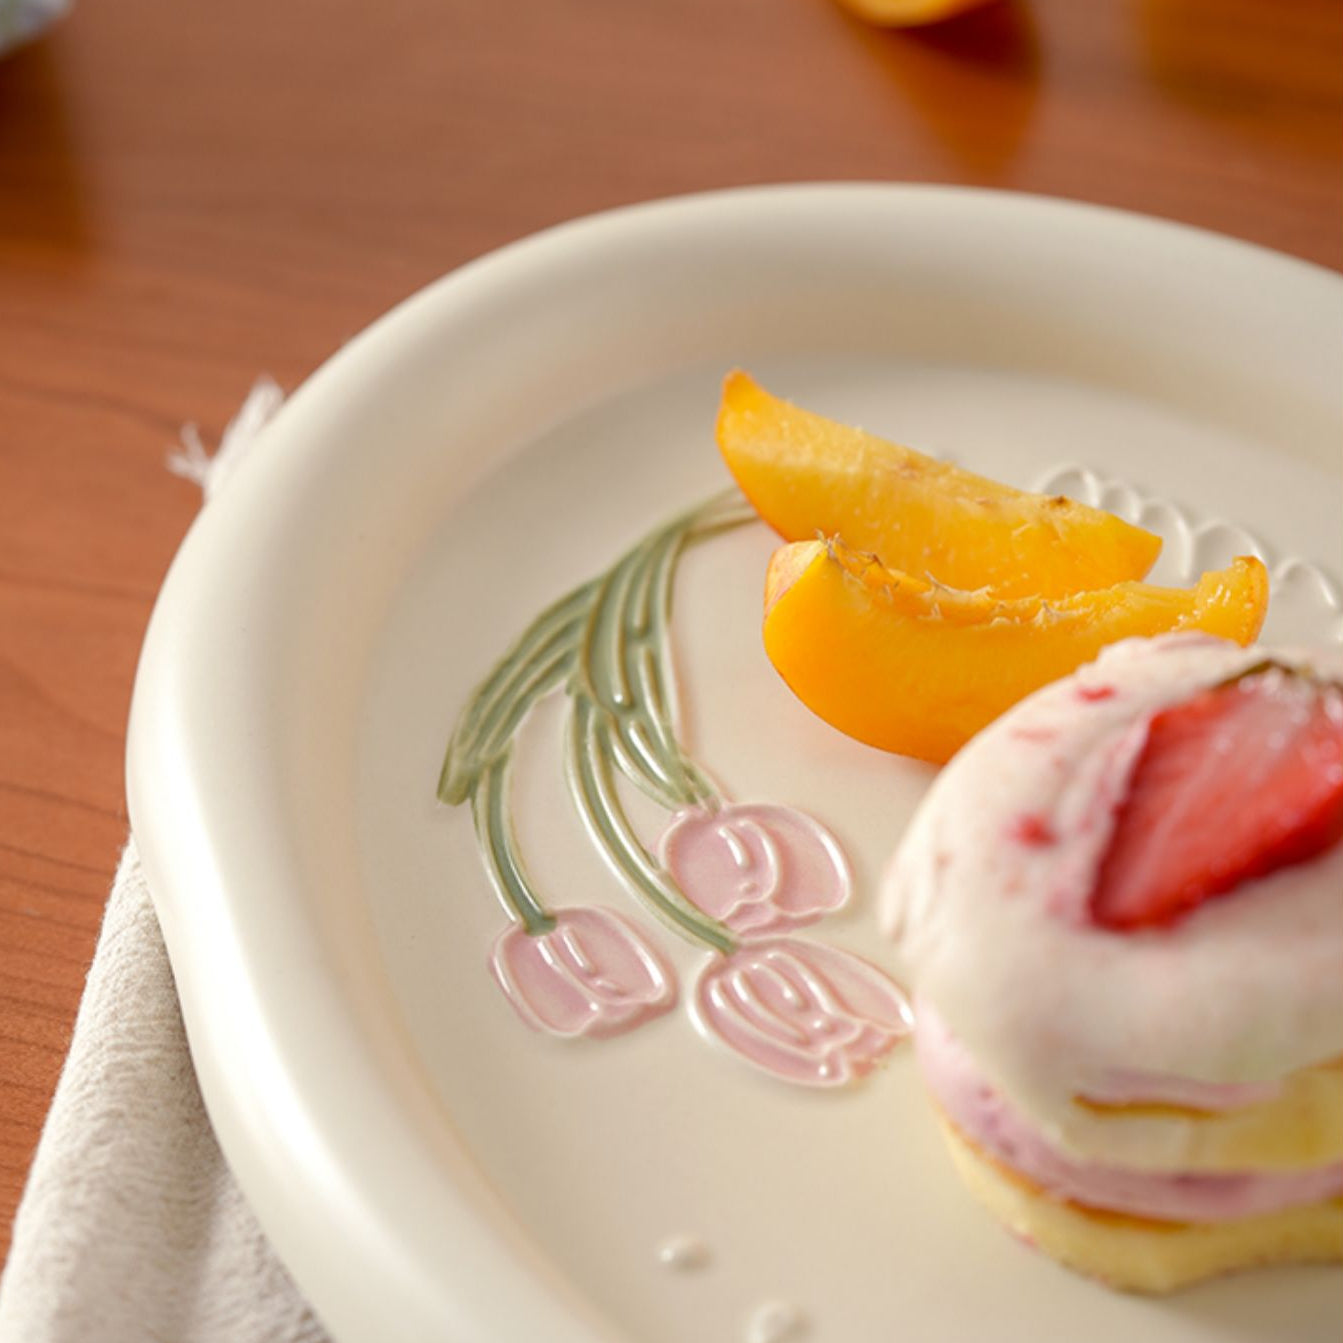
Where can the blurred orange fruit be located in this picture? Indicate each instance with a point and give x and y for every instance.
(908, 13)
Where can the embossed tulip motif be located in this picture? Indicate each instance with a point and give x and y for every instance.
(592, 973)
(757, 868)
(728, 877)
(807, 1013)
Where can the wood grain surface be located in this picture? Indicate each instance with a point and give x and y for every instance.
(193, 194)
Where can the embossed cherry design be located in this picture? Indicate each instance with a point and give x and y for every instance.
(758, 868)
(591, 973)
(806, 1012)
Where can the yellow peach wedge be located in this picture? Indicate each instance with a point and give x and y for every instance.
(918, 668)
(808, 476)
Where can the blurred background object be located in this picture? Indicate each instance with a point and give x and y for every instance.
(909, 13)
(24, 19)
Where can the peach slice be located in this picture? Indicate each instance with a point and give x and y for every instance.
(915, 667)
(808, 476)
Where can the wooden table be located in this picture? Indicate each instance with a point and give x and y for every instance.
(192, 194)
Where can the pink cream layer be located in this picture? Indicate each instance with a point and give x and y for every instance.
(989, 1121)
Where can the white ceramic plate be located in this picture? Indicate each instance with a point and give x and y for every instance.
(426, 1165)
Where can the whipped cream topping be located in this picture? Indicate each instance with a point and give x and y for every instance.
(997, 1128)
(987, 904)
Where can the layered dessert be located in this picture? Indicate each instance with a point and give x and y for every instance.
(1120, 908)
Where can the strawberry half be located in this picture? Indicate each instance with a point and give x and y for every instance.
(1243, 779)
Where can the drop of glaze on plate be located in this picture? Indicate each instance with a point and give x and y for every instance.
(683, 1254)
(775, 1322)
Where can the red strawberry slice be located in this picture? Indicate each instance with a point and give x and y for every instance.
(1233, 784)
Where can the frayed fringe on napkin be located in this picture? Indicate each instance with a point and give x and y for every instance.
(131, 1227)
(210, 470)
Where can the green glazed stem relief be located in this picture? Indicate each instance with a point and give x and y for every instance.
(606, 644)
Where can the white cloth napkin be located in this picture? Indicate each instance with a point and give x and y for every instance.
(131, 1227)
